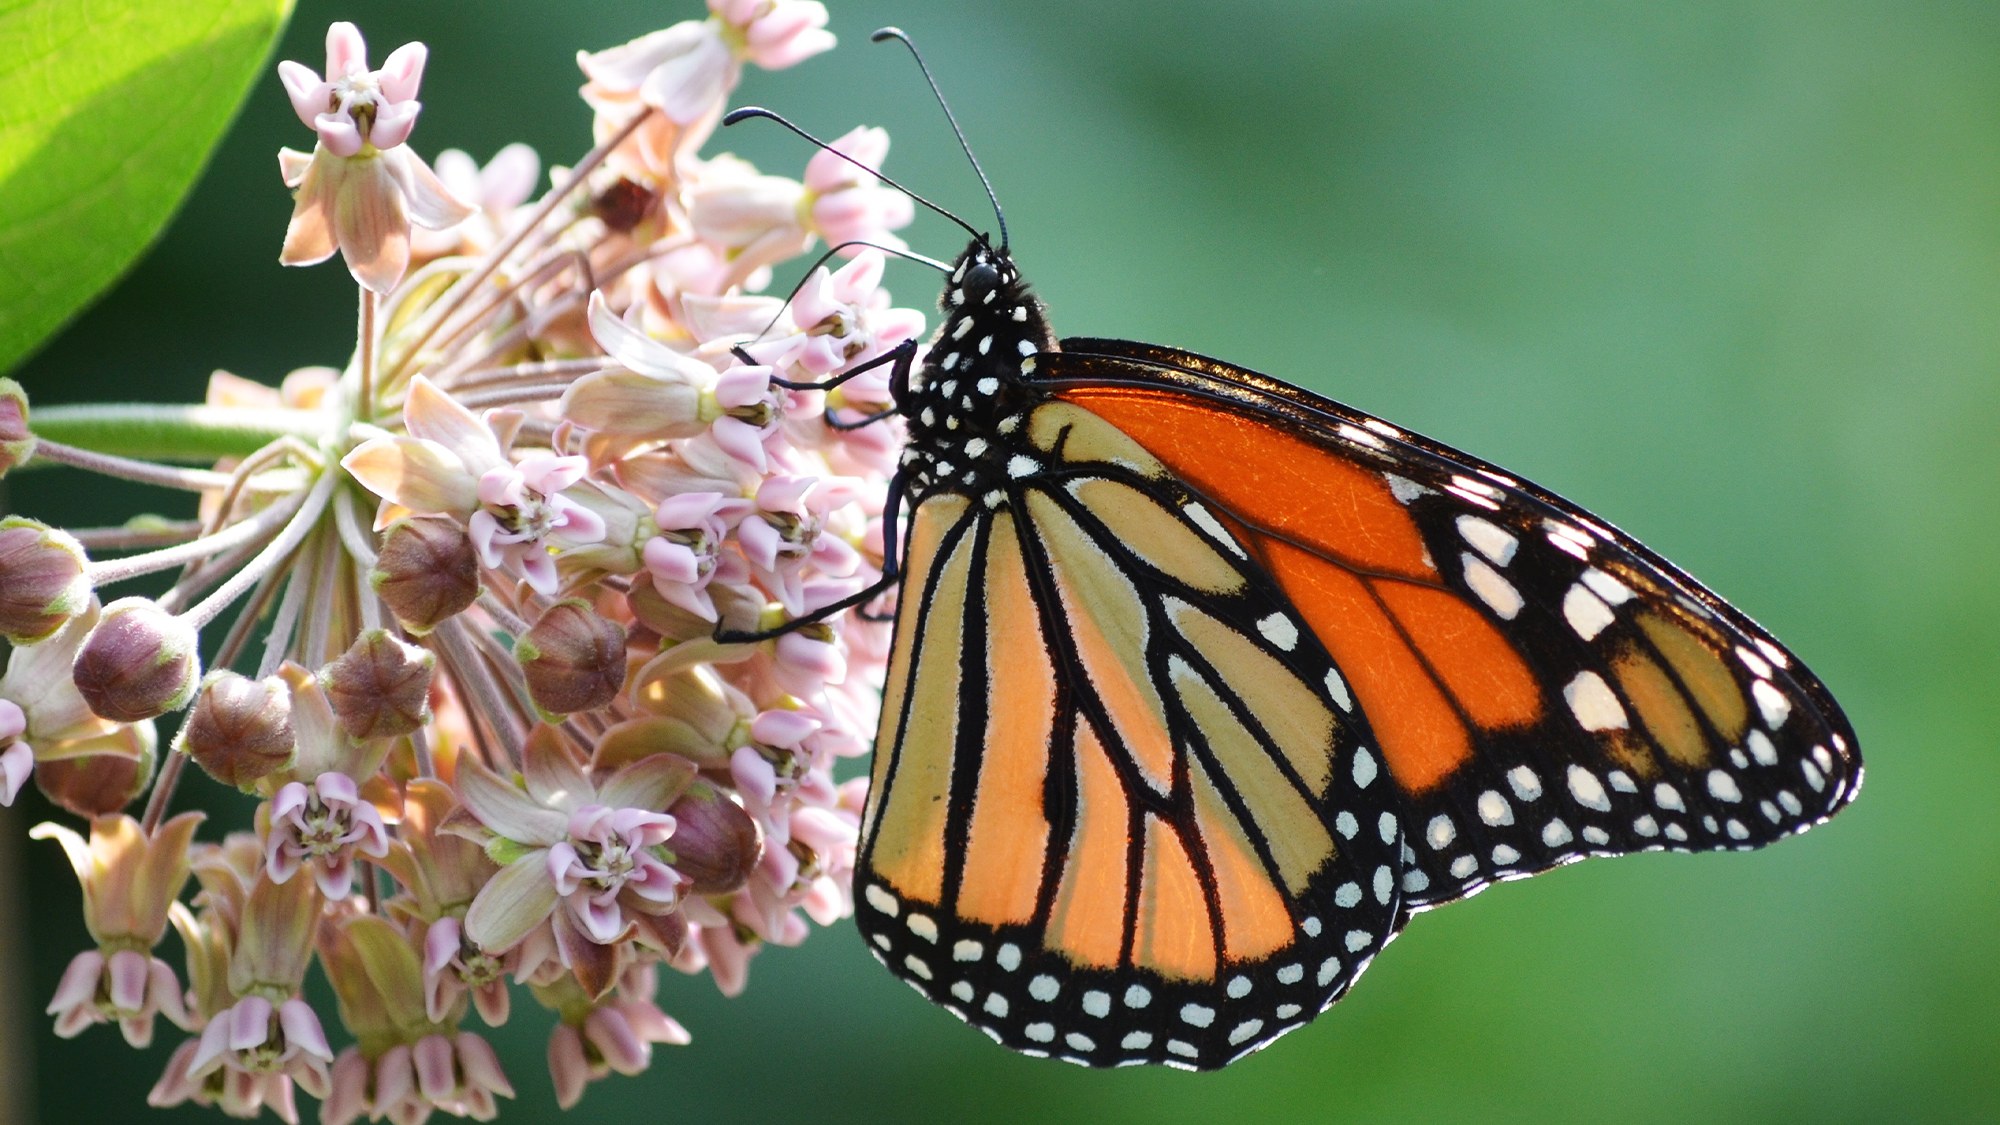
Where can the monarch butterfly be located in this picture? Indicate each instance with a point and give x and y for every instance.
(1202, 685)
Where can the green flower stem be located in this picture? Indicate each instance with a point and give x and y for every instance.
(157, 432)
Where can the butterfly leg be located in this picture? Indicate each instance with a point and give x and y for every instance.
(900, 355)
(891, 574)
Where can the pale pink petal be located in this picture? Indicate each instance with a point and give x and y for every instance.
(612, 1035)
(432, 1057)
(393, 124)
(511, 904)
(164, 993)
(783, 728)
(17, 765)
(569, 1069)
(249, 1023)
(79, 981)
(302, 1029)
(506, 810)
(395, 1078)
(305, 89)
(432, 414)
(754, 777)
(691, 84)
(509, 178)
(127, 975)
(673, 562)
(539, 570)
(481, 1065)
(348, 1098)
(338, 133)
(346, 52)
(430, 203)
(403, 71)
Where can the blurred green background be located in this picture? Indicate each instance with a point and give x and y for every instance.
(1726, 273)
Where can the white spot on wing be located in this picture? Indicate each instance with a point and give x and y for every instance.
(1586, 612)
(1279, 630)
(1761, 748)
(1360, 437)
(1404, 489)
(1772, 702)
(1604, 586)
(1198, 1015)
(1495, 591)
(922, 926)
(1591, 701)
(916, 965)
(1021, 466)
(1441, 832)
(1364, 766)
(1206, 520)
(967, 950)
(1588, 791)
(1723, 787)
(1337, 688)
(1488, 539)
(1524, 783)
(881, 899)
(1494, 810)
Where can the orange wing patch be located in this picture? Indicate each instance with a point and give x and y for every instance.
(1175, 936)
(1422, 661)
(1088, 923)
(1010, 828)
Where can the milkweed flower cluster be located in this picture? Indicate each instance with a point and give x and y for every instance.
(535, 626)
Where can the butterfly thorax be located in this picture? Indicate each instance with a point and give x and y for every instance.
(967, 405)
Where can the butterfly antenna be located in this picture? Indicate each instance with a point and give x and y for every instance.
(749, 111)
(898, 34)
(921, 259)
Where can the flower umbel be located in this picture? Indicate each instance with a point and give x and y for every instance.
(460, 615)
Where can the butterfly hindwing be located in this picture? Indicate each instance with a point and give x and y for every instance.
(1541, 687)
(1120, 821)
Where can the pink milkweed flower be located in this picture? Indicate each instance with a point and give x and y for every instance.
(453, 464)
(580, 857)
(499, 189)
(687, 70)
(457, 1073)
(361, 187)
(618, 1035)
(453, 966)
(844, 319)
(783, 536)
(324, 825)
(17, 761)
(687, 553)
(265, 1040)
(130, 881)
(353, 107)
(521, 506)
(849, 204)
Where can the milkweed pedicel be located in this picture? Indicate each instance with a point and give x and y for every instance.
(1204, 685)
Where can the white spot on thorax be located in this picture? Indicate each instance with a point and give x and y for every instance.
(988, 385)
(964, 326)
(985, 344)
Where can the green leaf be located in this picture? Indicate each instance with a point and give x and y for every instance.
(108, 110)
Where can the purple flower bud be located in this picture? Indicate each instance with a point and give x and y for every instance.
(140, 661)
(574, 660)
(42, 579)
(17, 444)
(715, 843)
(240, 728)
(380, 687)
(427, 572)
(93, 785)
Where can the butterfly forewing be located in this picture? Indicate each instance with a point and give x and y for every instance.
(1124, 819)
(1541, 687)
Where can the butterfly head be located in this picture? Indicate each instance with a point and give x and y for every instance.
(978, 372)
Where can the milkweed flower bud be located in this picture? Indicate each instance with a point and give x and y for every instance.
(715, 843)
(240, 729)
(139, 662)
(574, 660)
(42, 579)
(380, 688)
(427, 572)
(100, 775)
(17, 444)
